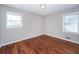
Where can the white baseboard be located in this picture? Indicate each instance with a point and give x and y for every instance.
(36, 36)
(63, 38)
(19, 40)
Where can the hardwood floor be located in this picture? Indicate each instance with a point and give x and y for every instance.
(41, 45)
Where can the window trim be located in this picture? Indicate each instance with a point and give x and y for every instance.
(17, 14)
(63, 23)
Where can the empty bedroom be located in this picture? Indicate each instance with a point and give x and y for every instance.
(39, 28)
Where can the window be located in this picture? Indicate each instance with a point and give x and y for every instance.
(71, 23)
(14, 20)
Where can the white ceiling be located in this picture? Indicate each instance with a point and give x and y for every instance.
(50, 8)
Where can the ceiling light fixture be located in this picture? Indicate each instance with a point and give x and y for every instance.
(43, 6)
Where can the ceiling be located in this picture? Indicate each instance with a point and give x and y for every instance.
(50, 8)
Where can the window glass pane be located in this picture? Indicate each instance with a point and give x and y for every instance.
(13, 17)
(71, 19)
(71, 27)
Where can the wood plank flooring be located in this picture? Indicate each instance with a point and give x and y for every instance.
(41, 45)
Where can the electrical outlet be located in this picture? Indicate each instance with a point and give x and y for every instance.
(67, 37)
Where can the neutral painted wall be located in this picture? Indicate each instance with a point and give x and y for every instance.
(32, 26)
(54, 25)
(0, 28)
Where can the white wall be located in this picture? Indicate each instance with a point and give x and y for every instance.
(54, 25)
(32, 26)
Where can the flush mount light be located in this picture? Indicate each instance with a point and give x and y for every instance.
(43, 6)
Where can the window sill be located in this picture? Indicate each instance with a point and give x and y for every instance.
(71, 33)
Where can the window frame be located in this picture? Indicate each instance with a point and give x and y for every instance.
(64, 25)
(16, 14)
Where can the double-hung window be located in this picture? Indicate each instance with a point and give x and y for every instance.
(14, 20)
(71, 23)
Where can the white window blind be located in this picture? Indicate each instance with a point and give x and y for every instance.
(71, 23)
(14, 20)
